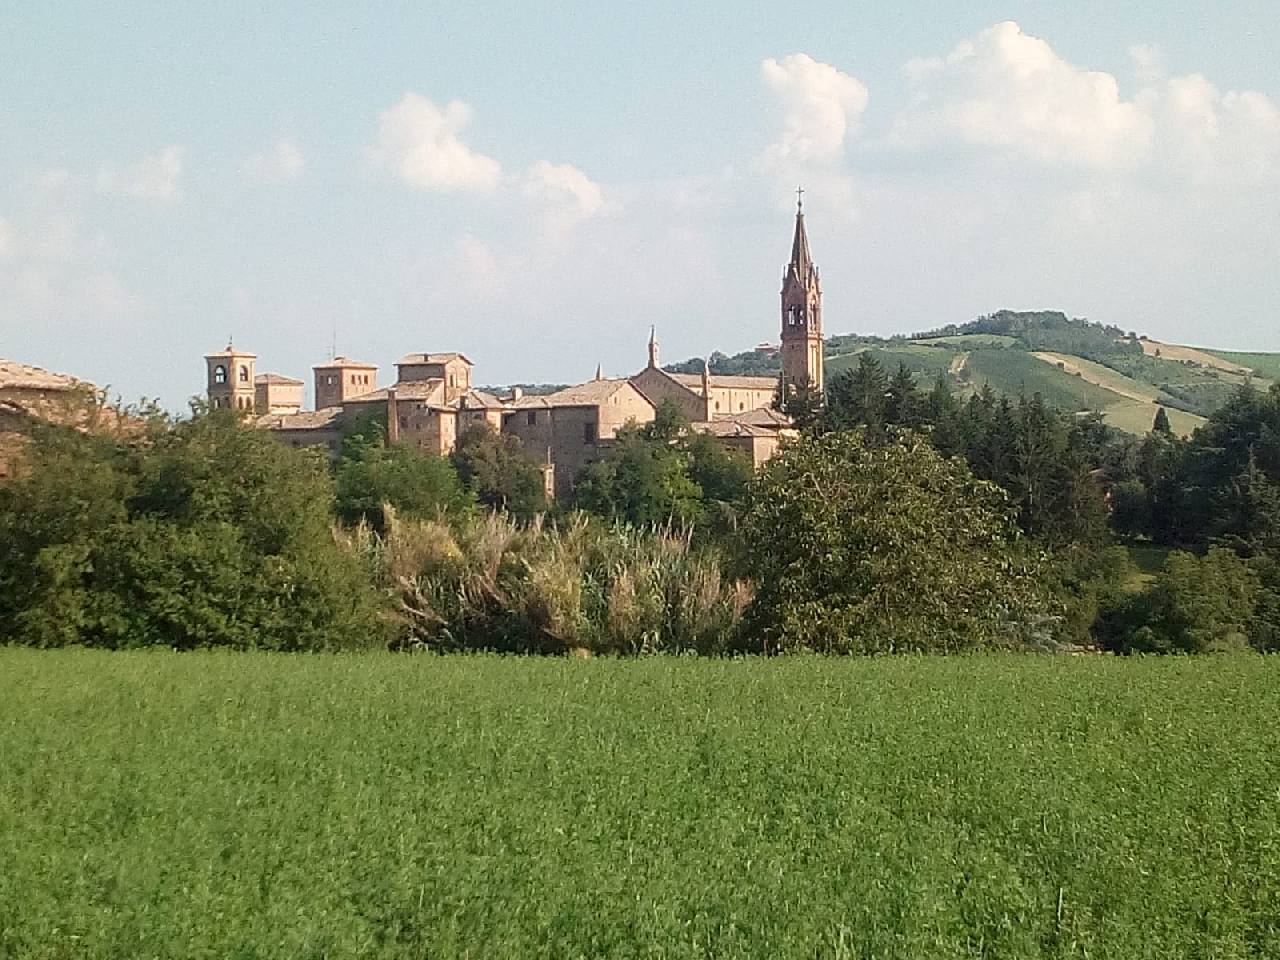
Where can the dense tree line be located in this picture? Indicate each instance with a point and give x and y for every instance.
(902, 519)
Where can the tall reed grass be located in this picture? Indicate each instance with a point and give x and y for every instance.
(486, 582)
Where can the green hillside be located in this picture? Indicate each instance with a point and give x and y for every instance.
(1263, 364)
(1074, 364)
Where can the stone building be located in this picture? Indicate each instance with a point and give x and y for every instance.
(230, 379)
(276, 393)
(433, 401)
(574, 426)
(342, 379)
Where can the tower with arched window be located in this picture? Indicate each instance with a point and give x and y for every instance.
(801, 316)
(230, 383)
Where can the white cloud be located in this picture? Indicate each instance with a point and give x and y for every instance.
(820, 107)
(154, 177)
(1007, 90)
(283, 161)
(420, 143)
(565, 193)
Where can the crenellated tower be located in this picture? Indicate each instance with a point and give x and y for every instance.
(801, 313)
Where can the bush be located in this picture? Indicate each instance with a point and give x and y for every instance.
(891, 547)
(206, 534)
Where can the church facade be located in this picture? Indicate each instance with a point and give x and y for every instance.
(432, 400)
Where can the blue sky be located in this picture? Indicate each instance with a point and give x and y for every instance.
(537, 184)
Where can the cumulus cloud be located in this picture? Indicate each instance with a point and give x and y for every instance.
(1005, 89)
(154, 177)
(283, 161)
(820, 107)
(564, 193)
(421, 144)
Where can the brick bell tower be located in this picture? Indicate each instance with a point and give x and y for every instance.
(801, 313)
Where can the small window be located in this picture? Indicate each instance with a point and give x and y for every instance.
(742, 406)
(588, 433)
(531, 418)
(219, 374)
(244, 373)
(404, 423)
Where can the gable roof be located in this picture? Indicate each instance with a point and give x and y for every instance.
(725, 381)
(305, 420)
(278, 378)
(24, 377)
(344, 363)
(414, 358)
(593, 393)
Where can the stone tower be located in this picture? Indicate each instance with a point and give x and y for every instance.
(342, 378)
(801, 314)
(230, 384)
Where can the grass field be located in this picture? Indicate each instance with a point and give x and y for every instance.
(245, 806)
(1014, 372)
(1263, 364)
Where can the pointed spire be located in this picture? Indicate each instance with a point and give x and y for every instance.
(801, 259)
(599, 371)
(653, 346)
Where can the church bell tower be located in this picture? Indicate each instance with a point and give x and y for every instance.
(801, 314)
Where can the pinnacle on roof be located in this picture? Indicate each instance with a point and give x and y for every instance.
(801, 259)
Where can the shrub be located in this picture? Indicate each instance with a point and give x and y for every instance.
(886, 547)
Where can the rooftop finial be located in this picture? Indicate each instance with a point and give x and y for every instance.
(799, 199)
(599, 371)
(653, 346)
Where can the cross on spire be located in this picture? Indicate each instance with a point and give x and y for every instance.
(799, 198)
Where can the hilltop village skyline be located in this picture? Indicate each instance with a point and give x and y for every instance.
(434, 397)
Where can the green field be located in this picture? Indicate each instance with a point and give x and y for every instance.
(1014, 372)
(966, 340)
(256, 805)
(1263, 364)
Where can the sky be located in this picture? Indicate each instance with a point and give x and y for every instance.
(536, 184)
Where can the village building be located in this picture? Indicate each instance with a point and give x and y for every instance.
(432, 401)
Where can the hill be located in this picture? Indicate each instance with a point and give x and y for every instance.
(1073, 363)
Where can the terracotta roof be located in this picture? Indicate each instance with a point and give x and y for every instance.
(760, 417)
(425, 390)
(589, 394)
(306, 420)
(344, 363)
(373, 396)
(410, 358)
(478, 398)
(726, 381)
(20, 375)
(277, 378)
(731, 428)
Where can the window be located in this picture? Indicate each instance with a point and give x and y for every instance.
(588, 432)
(531, 418)
(244, 373)
(219, 374)
(404, 423)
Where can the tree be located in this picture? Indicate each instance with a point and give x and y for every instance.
(1161, 423)
(496, 468)
(859, 397)
(205, 533)
(866, 548)
(371, 475)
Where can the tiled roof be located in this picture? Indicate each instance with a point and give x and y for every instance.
(424, 390)
(731, 428)
(725, 381)
(478, 398)
(760, 417)
(14, 374)
(306, 420)
(279, 378)
(589, 394)
(345, 363)
(409, 358)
